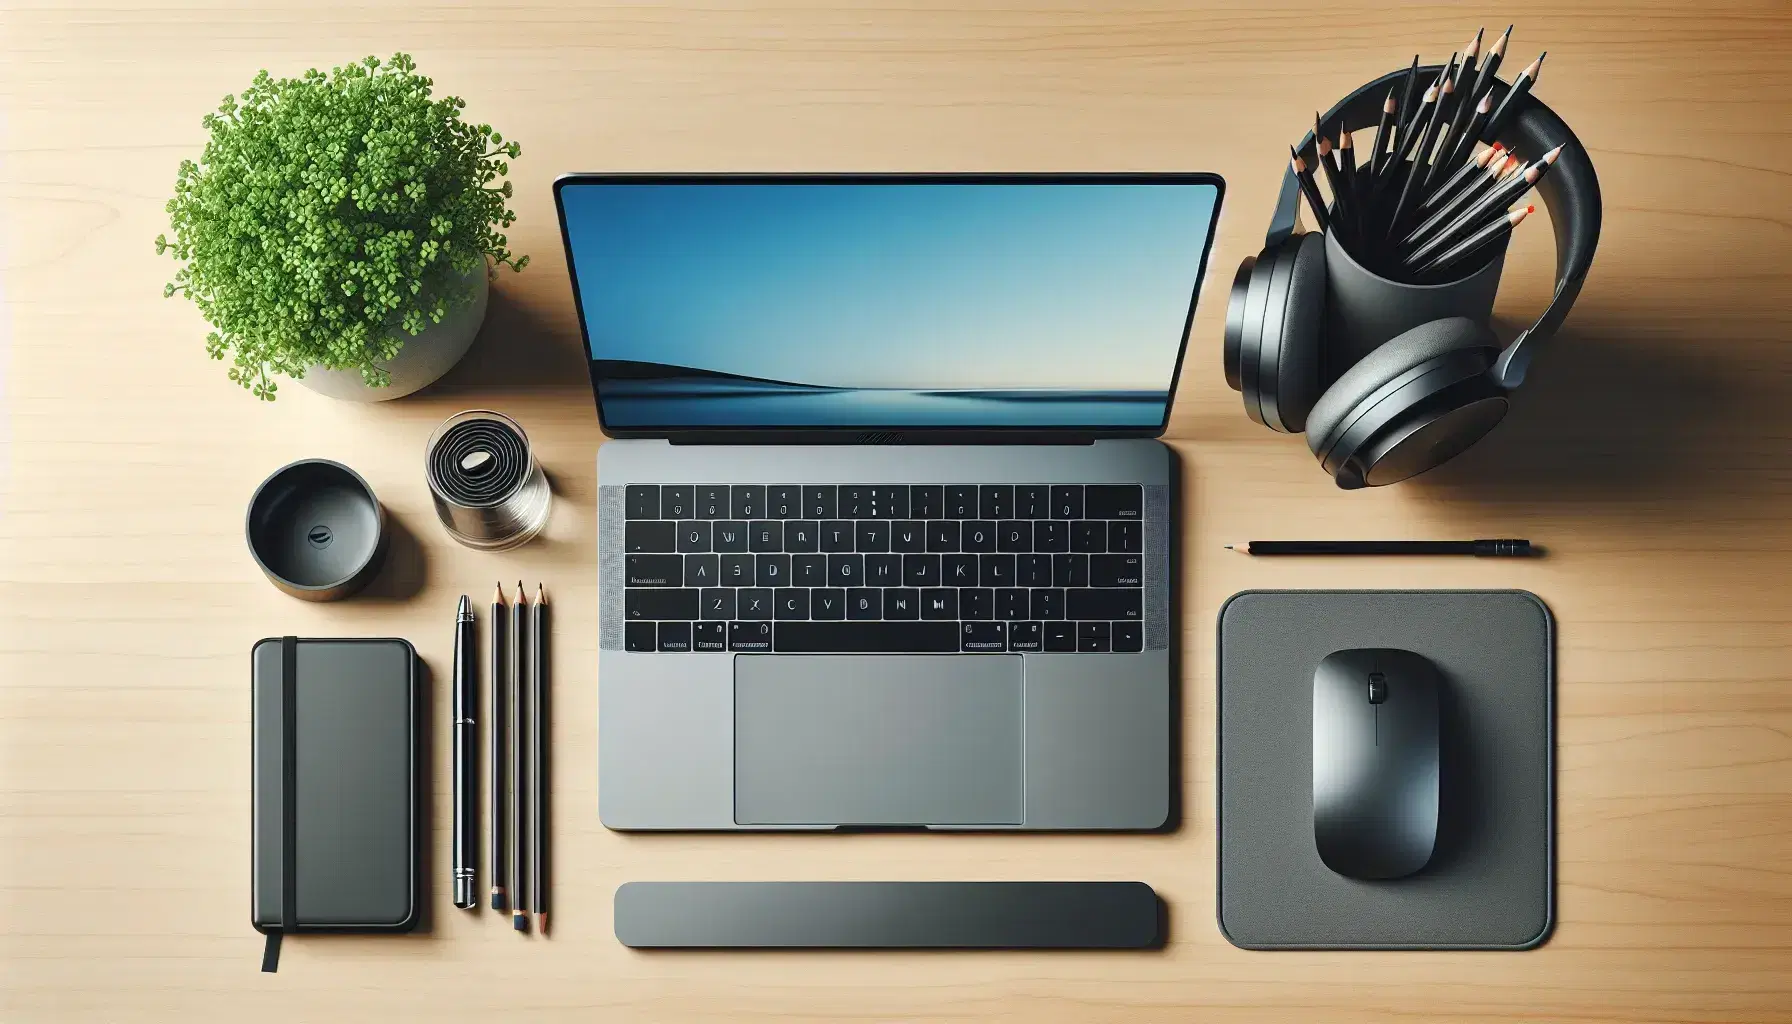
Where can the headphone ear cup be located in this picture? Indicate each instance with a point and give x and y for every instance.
(1256, 293)
(1289, 354)
(1235, 304)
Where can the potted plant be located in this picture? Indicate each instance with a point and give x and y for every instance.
(339, 230)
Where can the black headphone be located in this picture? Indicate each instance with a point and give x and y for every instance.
(1420, 398)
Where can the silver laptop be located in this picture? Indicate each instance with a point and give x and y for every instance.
(884, 536)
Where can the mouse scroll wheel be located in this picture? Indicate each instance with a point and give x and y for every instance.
(1378, 688)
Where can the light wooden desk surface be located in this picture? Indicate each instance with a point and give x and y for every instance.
(1650, 452)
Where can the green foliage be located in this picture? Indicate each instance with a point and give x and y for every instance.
(333, 215)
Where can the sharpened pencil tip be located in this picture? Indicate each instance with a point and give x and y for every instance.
(541, 596)
(1534, 67)
(1474, 45)
(1499, 45)
(498, 595)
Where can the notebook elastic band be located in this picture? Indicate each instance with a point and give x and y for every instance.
(289, 795)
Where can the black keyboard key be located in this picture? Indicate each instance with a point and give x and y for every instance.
(939, 604)
(908, 535)
(1123, 536)
(872, 535)
(995, 570)
(750, 636)
(1051, 535)
(748, 501)
(976, 603)
(675, 636)
(1032, 501)
(808, 570)
(827, 603)
(1012, 603)
(643, 501)
(855, 502)
(1104, 604)
(718, 603)
(737, 571)
(802, 535)
(640, 636)
(1048, 603)
(755, 604)
(818, 502)
(678, 501)
(712, 501)
(836, 535)
(995, 501)
(1033, 570)
(979, 535)
(1060, 636)
(1116, 571)
(1014, 536)
(958, 570)
(730, 535)
(702, 570)
(942, 535)
(867, 637)
(984, 637)
(765, 536)
(921, 570)
(1087, 535)
(784, 502)
(709, 636)
(1070, 571)
(1025, 637)
(890, 502)
(791, 603)
(864, 603)
(694, 535)
(846, 570)
(655, 603)
(1113, 501)
(1067, 501)
(883, 570)
(925, 501)
(902, 603)
(653, 570)
(649, 535)
(961, 502)
(772, 570)
(1092, 637)
(1128, 637)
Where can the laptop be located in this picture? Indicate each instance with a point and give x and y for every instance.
(884, 528)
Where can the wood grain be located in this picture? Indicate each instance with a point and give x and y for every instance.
(1649, 453)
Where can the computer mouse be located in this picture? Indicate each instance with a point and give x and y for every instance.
(1375, 761)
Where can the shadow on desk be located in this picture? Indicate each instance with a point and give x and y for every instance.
(520, 347)
(1614, 415)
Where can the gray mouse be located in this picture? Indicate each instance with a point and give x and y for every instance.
(1375, 761)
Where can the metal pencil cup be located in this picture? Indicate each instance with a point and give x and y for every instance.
(488, 489)
(1364, 309)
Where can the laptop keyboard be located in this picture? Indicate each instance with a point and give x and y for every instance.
(990, 568)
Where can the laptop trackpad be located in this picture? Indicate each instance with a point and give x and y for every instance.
(878, 740)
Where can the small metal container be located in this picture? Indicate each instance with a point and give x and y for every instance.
(316, 530)
(489, 491)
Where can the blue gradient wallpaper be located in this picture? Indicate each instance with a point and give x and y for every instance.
(899, 304)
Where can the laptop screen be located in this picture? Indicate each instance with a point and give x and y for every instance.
(902, 302)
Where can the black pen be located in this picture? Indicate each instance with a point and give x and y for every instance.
(1500, 548)
(495, 755)
(466, 755)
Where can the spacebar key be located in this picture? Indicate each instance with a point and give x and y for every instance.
(865, 637)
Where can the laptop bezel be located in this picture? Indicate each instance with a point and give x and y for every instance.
(891, 434)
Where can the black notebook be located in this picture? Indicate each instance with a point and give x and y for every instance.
(335, 807)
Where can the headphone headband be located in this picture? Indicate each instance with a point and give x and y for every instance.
(1570, 191)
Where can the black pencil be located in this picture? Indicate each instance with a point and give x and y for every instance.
(1521, 87)
(1347, 173)
(1448, 212)
(1462, 145)
(1490, 64)
(1406, 116)
(1415, 170)
(1334, 175)
(1484, 209)
(1500, 548)
(1382, 131)
(1310, 189)
(495, 755)
(1477, 241)
(538, 753)
(518, 643)
(1449, 189)
(1462, 107)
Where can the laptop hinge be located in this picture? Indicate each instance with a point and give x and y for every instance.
(889, 437)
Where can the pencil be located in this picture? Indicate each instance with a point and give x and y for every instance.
(1489, 65)
(1492, 548)
(1413, 170)
(1383, 131)
(518, 642)
(1475, 242)
(1334, 176)
(1347, 173)
(1521, 87)
(495, 752)
(1463, 176)
(1407, 116)
(1448, 212)
(1464, 141)
(1461, 109)
(1310, 189)
(1483, 209)
(538, 751)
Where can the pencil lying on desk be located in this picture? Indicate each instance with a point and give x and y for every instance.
(538, 756)
(518, 642)
(1496, 548)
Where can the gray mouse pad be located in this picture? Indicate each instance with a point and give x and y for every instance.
(1490, 883)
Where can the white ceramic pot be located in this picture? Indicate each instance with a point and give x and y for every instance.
(420, 363)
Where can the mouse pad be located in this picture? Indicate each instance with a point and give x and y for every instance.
(1490, 883)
